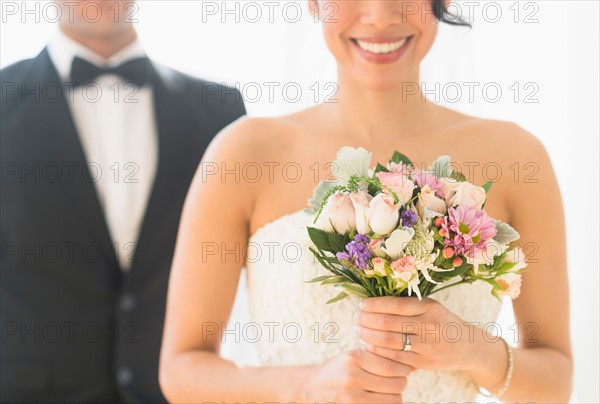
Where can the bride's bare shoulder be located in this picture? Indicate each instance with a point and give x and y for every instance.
(258, 138)
(502, 138)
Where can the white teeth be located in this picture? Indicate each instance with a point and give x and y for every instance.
(381, 48)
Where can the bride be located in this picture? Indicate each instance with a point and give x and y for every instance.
(351, 351)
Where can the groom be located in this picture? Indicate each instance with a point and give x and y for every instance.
(98, 148)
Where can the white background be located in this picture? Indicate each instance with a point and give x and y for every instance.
(552, 45)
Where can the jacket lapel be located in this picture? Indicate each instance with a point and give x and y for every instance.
(55, 124)
(176, 127)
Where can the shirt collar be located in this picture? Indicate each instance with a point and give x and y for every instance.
(62, 50)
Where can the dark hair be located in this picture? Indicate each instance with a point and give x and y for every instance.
(440, 11)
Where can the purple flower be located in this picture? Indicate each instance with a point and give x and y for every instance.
(361, 238)
(342, 256)
(408, 218)
(358, 253)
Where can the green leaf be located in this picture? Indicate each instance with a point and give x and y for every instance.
(507, 266)
(398, 157)
(333, 280)
(487, 186)
(337, 242)
(320, 239)
(319, 279)
(339, 297)
(441, 167)
(318, 194)
(380, 167)
(321, 259)
(458, 271)
(458, 176)
(505, 233)
(354, 290)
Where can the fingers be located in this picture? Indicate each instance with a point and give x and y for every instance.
(380, 384)
(388, 322)
(403, 306)
(381, 366)
(388, 339)
(379, 398)
(411, 359)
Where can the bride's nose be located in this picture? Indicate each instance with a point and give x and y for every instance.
(381, 14)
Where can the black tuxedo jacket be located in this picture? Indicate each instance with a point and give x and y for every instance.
(74, 327)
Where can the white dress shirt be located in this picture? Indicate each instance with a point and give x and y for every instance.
(117, 128)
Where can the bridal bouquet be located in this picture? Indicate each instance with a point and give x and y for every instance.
(399, 230)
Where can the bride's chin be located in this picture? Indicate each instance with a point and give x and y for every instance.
(382, 84)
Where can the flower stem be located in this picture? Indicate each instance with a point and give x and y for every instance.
(445, 287)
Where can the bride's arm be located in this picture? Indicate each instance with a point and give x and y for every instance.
(542, 360)
(202, 290)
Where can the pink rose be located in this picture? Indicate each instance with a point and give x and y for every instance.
(383, 214)
(467, 194)
(378, 267)
(398, 183)
(510, 284)
(375, 247)
(404, 264)
(404, 268)
(338, 214)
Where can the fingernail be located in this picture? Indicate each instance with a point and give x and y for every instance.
(361, 304)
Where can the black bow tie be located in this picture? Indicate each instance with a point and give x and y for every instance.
(135, 71)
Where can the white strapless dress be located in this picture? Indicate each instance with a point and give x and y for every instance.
(303, 330)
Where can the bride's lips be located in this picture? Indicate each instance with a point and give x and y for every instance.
(382, 50)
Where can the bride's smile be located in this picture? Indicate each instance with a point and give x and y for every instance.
(382, 49)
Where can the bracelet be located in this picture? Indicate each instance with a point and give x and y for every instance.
(507, 377)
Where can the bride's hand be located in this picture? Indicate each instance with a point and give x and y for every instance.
(440, 340)
(357, 376)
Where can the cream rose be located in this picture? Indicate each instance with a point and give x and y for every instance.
(427, 199)
(467, 194)
(360, 201)
(449, 187)
(383, 214)
(338, 214)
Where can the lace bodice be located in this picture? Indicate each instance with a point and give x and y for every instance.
(300, 329)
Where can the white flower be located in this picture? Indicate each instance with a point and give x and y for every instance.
(516, 255)
(397, 241)
(483, 257)
(349, 162)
